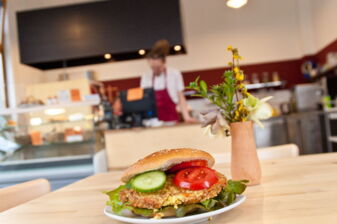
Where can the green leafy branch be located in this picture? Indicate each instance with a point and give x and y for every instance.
(222, 95)
(229, 94)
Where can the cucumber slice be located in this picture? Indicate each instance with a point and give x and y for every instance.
(149, 182)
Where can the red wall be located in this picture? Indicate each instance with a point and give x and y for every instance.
(321, 55)
(288, 70)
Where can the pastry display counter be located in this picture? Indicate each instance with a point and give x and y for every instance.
(57, 146)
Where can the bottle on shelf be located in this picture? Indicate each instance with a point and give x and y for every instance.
(265, 77)
(255, 78)
(275, 76)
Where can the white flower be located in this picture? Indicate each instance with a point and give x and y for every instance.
(259, 109)
(220, 132)
(214, 124)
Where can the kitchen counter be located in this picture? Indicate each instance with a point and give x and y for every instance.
(305, 129)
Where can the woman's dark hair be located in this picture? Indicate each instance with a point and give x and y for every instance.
(159, 50)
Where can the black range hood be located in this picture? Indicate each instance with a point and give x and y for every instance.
(82, 34)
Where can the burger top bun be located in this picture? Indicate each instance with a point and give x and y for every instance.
(165, 159)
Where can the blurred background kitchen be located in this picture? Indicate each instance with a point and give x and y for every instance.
(71, 70)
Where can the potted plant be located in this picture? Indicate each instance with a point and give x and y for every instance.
(236, 111)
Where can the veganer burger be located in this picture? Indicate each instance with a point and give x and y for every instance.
(173, 182)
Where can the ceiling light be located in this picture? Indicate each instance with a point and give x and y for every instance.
(236, 3)
(141, 52)
(177, 48)
(107, 56)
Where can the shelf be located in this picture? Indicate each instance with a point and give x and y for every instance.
(50, 150)
(333, 139)
(250, 86)
(62, 143)
(12, 111)
(46, 160)
(264, 85)
(61, 122)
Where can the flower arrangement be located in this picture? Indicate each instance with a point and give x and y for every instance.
(234, 102)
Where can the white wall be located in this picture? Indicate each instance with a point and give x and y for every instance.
(264, 30)
(306, 31)
(210, 26)
(324, 14)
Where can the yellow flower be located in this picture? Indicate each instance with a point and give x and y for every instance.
(237, 114)
(245, 93)
(230, 64)
(236, 70)
(230, 48)
(239, 76)
(236, 56)
(240, 58)
(242, 86)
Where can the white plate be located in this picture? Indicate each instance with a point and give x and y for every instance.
(192, 219)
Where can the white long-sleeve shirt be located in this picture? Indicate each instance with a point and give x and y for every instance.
(175, 82)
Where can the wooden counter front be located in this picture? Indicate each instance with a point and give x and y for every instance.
(126, 146)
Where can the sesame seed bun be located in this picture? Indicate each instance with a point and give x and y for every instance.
(165, 159)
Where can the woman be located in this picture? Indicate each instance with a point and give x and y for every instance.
(167, 83)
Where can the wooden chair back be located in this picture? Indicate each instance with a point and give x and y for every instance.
(20, 193)
(268, 153)
(278, 152)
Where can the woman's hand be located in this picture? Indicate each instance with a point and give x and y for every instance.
(184, 109)
(190, 120)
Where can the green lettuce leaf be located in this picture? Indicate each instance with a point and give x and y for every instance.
(188, 209)
(116, 205)
(228, 195)
(168, 211)
(237, 187)
(143, 212)
(210, 203)
(124, 209)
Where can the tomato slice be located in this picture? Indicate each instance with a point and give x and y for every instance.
(196, 178)
(188, 164)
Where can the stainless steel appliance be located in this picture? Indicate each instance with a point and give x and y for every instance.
(308, 96)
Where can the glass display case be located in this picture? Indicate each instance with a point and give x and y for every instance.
(44, 132)
(57, 142)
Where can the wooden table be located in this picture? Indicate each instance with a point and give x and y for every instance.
(294, 191)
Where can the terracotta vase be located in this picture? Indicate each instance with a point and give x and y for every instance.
(245, 162)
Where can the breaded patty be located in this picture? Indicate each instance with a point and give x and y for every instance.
(170, 195)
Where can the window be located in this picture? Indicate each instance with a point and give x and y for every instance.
(3, 91)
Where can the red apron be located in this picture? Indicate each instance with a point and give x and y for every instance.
(166, 108)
